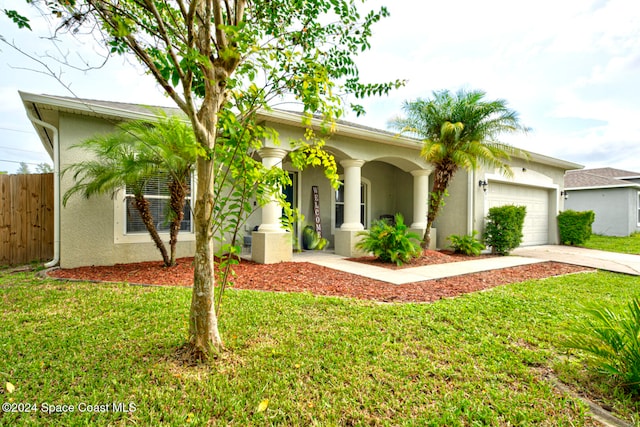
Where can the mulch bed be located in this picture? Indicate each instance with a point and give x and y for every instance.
(318, 280)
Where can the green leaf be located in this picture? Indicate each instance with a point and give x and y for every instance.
(19, 20)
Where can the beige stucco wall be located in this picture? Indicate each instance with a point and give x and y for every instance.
(465, 192)
(452, 218)
(89, 236)
(391, 190)
(87, 225)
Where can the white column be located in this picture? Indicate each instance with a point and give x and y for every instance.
(420, 197)
(352, 182)
(272, 211)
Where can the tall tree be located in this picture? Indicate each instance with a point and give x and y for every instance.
(44, 168)
(458, 131)
(23, 168)
(208, 56)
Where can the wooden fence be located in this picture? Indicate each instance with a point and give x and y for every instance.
(26, 218)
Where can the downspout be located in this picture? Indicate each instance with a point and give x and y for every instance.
(471, 211)
(56, 188)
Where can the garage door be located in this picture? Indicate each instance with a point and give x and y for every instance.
(536, 222)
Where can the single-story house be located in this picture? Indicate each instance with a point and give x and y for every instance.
(383, 174)
(612, 194)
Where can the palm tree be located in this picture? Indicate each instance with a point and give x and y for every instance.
(459, 131)
(136, 153)
(172, 146)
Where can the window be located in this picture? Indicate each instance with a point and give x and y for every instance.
(339, 205)
(156, 191)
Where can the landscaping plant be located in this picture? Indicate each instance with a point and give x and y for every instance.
(137, 155)
(390, 243)
(575, 227)
(612, 338)
(311, 240)
(467, 244)
(503, 231)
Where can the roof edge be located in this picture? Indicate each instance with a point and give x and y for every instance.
(278, 116)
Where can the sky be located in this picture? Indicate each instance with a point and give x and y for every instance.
(570, 68)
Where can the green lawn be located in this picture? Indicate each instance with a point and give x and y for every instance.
(480, 359)
(627, 245)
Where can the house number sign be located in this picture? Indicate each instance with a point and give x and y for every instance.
(316, 210)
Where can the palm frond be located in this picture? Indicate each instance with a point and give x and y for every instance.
(462, 127)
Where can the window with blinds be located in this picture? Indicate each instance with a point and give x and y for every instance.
(156, 191)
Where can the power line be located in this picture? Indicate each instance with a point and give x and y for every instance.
(14, 161)
(19, 149)
(16, 130)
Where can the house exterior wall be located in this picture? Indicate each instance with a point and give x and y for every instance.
(616, 209)
(88, 231)
(391, 191)
(525, 173)
(452, 218)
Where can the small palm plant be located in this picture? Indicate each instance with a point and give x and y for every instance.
(613, 341)
(467, 244)
(390, 243)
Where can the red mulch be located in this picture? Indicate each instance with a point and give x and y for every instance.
(307, 277)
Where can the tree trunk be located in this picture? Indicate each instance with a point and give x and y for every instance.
(142, 206)
(203, 323)
(177, 190)
(204, 336)
(442, 176)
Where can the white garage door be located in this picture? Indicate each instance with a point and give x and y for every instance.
(536, 221)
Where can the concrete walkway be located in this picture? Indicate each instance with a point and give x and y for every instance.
(413, 274)
(616, 262)
(602, 260)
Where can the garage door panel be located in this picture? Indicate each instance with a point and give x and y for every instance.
(536, 201)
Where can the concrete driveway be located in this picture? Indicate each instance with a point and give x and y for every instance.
(610, 261)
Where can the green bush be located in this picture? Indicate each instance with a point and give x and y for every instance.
(612, 339)
(390, 243)
(311, 240)
(467, 244)
(503, 231)
(575, 227)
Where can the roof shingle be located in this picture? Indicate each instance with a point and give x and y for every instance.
(600, 177)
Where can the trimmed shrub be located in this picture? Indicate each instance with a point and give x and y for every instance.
(503, 231)
(612, 339)
(575, 227)
(467, 244)
(390, 243)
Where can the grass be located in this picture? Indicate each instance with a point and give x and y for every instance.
(626, 245)
(480, 359)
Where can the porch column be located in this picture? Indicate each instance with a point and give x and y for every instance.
(347, 236)
(421, 204)
(352, 182)
(420, 197)
(272, 211)
(271, 243)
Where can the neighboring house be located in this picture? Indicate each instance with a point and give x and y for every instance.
(613, 194)
(383, 174)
